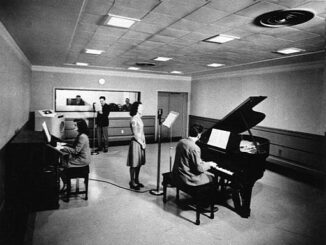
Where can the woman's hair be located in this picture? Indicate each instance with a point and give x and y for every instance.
(134, 108)
(82, 127)
(195, 130)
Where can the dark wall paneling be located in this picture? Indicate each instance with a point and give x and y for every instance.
(298, 151)
(12, 220)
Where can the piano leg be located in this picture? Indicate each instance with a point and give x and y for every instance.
(245, 194)
(241, 196)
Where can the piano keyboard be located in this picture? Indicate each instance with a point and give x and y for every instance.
(223, 170)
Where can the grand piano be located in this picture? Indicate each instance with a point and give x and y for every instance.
(241, 158)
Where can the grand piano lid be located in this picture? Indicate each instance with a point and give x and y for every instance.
(242, 118)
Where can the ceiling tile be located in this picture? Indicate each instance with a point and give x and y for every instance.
(260, 7)
(98, 7)
(178, 8)
(161, 20)
(56, 32)
(187, 25)
(206, 15)
(318, 7)
(231, 6)
(170, 32)
(287, 3)
(136, 35)
(146, 27)
(267, 42)
(297, 36)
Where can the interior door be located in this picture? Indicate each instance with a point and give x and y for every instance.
(177, 102)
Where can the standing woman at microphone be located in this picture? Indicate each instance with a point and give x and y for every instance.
(136, 154)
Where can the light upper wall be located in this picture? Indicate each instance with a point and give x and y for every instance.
(294, 94)
(15, 75)
(46, 79)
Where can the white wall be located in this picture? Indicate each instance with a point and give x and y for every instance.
(295, 95)
(15, 74)
(46, 79)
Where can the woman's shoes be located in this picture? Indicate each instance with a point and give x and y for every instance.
(134, 187)
(140, 185)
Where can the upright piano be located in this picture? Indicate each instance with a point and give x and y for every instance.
(241, 158)
(32, 180)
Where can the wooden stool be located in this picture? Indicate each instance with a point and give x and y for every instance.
(194, 192)
(76, 173)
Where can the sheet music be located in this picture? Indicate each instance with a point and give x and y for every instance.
(219, 138)
(97, 106)
(170, 119)
(47, 133)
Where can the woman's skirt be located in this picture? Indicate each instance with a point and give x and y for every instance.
(136, 155)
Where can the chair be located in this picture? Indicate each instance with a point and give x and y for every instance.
(194, 192)
(76, 173)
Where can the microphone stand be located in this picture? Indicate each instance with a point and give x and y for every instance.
(94, 151)
(158, 192)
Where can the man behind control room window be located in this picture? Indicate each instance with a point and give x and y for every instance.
(189, 169)
(102, 123)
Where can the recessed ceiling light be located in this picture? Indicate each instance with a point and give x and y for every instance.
(162, 59)
(221, 38)
(289, 50)
(119, 21)
(93, 51)
(215, 65)
(133, 68)
(81, 64)
(176, 72)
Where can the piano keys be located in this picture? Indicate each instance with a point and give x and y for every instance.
(241, 158)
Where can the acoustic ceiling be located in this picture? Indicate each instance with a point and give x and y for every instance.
(57, 33)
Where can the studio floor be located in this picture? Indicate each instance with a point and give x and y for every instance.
(283, 211)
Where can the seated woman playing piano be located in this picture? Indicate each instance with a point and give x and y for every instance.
(79, 153)
(189, 170)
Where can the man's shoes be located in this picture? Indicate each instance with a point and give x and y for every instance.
(98, 149)
(105, 150)
(208, 209)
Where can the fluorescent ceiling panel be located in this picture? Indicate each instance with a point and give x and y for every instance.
(176, 72)
(93, 51)
(290, 50)
(120, 21)
(81, 64)
(162, 59)
(221, 38)
(133, 68)
(215, 65)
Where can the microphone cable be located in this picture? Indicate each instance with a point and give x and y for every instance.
(119, 186)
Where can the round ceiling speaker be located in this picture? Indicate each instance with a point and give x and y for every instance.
(281, 18)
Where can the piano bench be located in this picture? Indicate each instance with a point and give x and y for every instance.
(76, 173)
(194, 192)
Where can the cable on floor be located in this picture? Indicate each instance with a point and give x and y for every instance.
(121, 187)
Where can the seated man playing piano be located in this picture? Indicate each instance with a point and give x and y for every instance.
(189, 170)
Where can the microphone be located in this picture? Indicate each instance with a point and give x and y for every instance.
(94, 106)
(159, 115)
